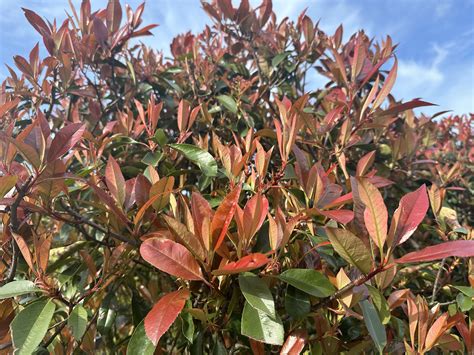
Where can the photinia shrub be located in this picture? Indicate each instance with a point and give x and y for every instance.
(211, 203)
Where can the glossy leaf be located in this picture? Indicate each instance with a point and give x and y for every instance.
(171, 257)
(297, 303)
(201, 158)
(30, 326)
(228, 102)
(223, 216)
(375, 213)
(458, 248)
(350, 248)
(17, 288)
(260, 326)
(257, 293)
(115, 181)
(247, 263)
(77, 322)
(409, 214)
(374, 325)
(139, 342)
(309, 281)
(65, 140)
(164, 313)
(295, 343)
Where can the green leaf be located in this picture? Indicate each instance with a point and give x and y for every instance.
(257, 293)
(17, 288)
(201, 158)
(139, 343)
(350, 248)
(30, 326)
(160, 137)
(297, 303)
(464, 302)
(380, 303)
(468, 291)
(309, 281)
(187, 324)
(374, 325)
(228, 102)
(152, 158)
(261, 327)
(279, 58)
(77, 322)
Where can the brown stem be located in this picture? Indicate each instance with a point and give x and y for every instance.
(14, 226)
(357, 282)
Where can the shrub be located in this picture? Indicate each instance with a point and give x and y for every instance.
(208, 202)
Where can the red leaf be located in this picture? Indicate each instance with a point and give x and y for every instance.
(295, 343)
(114, 15)
(409, 214)
(115, 181)
(365, 163)
(164, 313)
(375, 213)
(247, 263)
(37, 22)
(183, 115)
(223, 217)
(458, 248)
(341, 216)
(254, 215)
(65, 139)
(171, 257)
(100, 31)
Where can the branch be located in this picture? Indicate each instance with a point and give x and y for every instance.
(81, 219)
(14, 227)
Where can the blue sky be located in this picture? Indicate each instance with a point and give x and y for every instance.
(436, 37)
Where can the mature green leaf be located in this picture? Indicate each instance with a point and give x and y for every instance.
(380, 303)
(374, 325)
(187, 324)
(77, 322)
(261, 327)
(297, 303)
(351, 248)
(468, 291)
(17, 288)
(464, 302)
(257, 293)
(30, 326)
(228, 102)
(309, 281)
(280, 57)
(200, 157)
(139, 343)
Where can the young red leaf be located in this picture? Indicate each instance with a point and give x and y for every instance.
(247, 263)
(65, 139)
(254, 215)
(114, 15)
(164, 313)
(223, 217)
(115, 181)
(171, 257)
(375, 213)
(295, 343)
(409, 214)
(341, 216)
(387, 86)
(458, 248)
(365, 163)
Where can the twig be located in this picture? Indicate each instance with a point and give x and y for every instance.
(437, 280)
(14, 226)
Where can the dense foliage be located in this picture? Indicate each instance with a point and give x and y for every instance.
(208, 202)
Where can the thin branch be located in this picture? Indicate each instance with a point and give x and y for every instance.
(15, 226)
